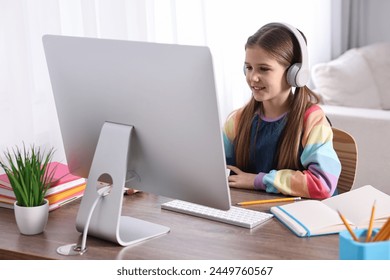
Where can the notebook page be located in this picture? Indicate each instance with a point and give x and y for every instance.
(313, 214)
(356, 205)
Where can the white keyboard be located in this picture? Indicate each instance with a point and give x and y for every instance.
(235, 215)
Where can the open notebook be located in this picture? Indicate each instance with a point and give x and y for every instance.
(314, 217)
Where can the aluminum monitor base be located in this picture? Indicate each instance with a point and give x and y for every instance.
(106, 222)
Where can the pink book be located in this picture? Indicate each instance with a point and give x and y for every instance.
(62, 179)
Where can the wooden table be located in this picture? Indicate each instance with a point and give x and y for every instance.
(190, 237)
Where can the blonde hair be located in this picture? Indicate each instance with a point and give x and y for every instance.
(280, 43)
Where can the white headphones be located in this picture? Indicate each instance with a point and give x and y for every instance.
(298, 74)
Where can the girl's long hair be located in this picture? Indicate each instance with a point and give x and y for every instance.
(280, 43)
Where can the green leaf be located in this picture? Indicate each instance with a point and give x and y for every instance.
(27, 171)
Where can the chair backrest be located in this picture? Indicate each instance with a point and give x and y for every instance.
(346, 149)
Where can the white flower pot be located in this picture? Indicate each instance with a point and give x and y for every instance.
(31, 220)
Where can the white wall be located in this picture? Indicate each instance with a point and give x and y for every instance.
(27, 111)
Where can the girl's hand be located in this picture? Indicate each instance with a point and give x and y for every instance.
(242, 180)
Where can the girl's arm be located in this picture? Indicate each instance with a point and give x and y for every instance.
(321, 165)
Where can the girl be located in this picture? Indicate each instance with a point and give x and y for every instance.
(280, 142)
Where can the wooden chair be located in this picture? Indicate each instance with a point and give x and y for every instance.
(346, 149)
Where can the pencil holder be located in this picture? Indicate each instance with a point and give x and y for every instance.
(350, 249)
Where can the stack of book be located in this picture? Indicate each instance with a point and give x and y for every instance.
(64, 188)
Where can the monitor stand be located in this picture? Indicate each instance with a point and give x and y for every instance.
(99, 214)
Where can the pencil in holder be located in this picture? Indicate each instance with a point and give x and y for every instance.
(350, 249)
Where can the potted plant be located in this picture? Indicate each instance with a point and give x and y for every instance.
(29, 178)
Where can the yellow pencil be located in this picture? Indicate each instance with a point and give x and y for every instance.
(386, 235)
(348, 227)
(380, 236)
(381, 232)
(369, 231)
(268, 201)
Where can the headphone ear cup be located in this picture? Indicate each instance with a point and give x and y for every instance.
(292, 74)
(296, 76)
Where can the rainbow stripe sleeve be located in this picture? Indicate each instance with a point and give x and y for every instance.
(321, 165)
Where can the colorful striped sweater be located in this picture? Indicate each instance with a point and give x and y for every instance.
(321, 166)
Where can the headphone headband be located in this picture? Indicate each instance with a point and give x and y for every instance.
(298, 74)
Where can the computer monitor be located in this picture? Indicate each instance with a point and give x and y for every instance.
(154, 107)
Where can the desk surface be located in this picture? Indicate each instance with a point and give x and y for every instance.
(189, 238)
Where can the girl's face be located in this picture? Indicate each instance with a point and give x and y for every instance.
(266, 77)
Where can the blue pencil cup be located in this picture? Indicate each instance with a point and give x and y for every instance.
(350, 249)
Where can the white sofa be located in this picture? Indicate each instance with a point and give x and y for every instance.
(355, 93)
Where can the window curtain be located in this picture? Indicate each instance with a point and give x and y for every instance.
(357, 23)
(348, 25)
(27, 109)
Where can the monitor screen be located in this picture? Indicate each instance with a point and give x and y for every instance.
(165, 92)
